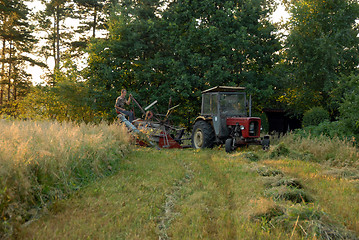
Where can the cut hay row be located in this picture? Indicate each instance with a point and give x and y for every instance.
(169, 214)
(287, 204)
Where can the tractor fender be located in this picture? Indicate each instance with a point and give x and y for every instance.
(203, 118)
(208, 119)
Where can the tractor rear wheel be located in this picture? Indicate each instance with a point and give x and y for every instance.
(202, 135)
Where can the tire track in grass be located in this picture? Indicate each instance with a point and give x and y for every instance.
(224, 187)
(171, 200)
(206, 203)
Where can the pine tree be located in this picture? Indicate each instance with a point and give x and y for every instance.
(58, 35)
(93, 16)
(17, 41)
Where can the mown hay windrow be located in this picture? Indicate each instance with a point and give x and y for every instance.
(264, 209)
(251, 156)
(311, 222)
(281, 150)
(287, 193)
(267, 172)
(278, 180)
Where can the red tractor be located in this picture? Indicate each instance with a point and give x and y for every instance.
(224, 120)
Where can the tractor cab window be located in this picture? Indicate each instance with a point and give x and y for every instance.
(206, 104)
(233, 104)
(210, 104)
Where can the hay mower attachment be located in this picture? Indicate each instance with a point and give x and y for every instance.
(155, 129)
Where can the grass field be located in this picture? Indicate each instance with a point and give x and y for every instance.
(43, 162)
(208, 194)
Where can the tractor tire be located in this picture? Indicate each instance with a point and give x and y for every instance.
(266, 143)
(229, 145)
(202, 135)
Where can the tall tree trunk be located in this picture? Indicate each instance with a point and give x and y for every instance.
(57, 37)
(15, 91)
(1, 95)
(9, 71)
(94, 22)
(54, 50)
(2, 76)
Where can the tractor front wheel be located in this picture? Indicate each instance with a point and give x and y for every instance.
(266, 142)
(202, 135)
(229, 145)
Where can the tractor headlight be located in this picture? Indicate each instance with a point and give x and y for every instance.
(242, 127)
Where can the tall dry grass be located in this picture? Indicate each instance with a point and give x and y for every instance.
(44, 161)
(333, 151)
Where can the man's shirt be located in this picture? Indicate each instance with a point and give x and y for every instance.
(120, 102)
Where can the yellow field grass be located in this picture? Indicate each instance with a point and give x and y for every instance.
(41, 161)
(335, 152)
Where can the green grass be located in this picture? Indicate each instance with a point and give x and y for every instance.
(177, 194)
(208, 194)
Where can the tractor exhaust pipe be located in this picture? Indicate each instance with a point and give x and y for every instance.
(250, 105)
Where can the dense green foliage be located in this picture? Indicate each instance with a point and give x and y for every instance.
(328, 129)
(179, 51)
(315, 116)
(349, 108)
(68, 100)
(345, 99)
(322, 45)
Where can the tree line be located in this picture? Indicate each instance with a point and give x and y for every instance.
(173, 50)
(30, 37)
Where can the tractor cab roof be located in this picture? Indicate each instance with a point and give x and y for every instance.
(224, 89)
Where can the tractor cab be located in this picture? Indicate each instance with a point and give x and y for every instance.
(226, 118)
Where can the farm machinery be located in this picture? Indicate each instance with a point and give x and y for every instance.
(226, 119)
(155, 129)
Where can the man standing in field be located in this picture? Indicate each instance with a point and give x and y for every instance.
(120, 105)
